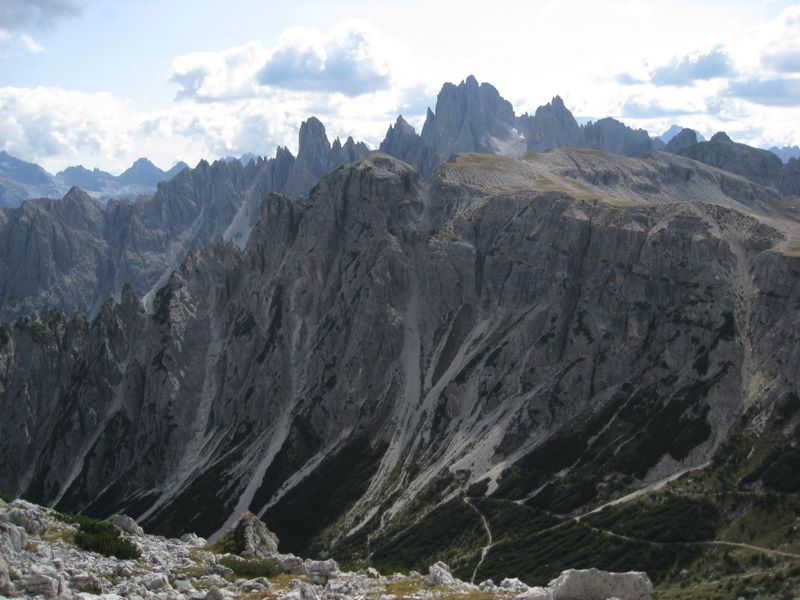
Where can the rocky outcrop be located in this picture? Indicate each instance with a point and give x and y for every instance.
(253, 538)
(591, 584)
(439, 574)
(321, 571)
(126, 524)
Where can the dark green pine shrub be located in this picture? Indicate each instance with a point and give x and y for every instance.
(250, 568)
(99, 536)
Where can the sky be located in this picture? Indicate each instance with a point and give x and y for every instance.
(103, 82)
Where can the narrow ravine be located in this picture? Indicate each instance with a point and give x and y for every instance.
(490, 541)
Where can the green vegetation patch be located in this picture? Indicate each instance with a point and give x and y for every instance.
(453, 532)
(780, 470)
(324, 496)
(509, 520)
(7, 497)
(250, 568)
(662, 518)
(300, 446)
(538, 558)
(40, 333)
(205, 503)
(99, 536)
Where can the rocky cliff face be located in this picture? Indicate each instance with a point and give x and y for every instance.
(571, 319)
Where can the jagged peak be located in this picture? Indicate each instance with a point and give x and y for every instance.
(76, 194)
(312, 133)
(721, 136)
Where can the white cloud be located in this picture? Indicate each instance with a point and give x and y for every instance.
(208, 76)
(16, 44)
(49, 124)
(346, 60)
(15, 14)
(782, 53)
(57, 128)
(229, 103)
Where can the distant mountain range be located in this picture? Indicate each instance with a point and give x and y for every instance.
(21, 180)
(786, 153)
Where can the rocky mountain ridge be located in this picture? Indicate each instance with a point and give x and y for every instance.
(388, 339)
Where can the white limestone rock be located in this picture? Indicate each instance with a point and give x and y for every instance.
(37, 584)
(26, 515)
(439, 574)
(87, 582)
(214, 594)
(513, 585)
(254, 536)
(320, 571)
(300, 590)
(593, 584)
(158, 581)
(193, 539)
(289, 563)
(126, 524)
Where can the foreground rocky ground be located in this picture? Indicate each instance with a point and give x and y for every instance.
(40, 556)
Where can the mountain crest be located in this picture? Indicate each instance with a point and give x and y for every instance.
(721, 136)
